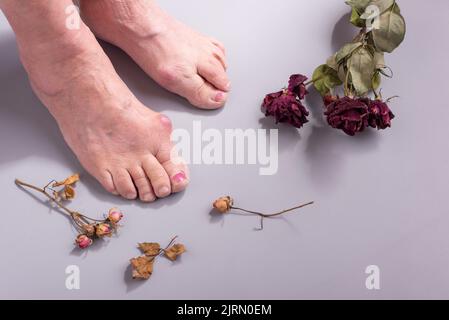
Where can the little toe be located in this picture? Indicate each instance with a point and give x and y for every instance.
(124, 184)
(214, 72)
(143, 185)
(159, 179)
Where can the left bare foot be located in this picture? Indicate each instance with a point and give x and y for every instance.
(178, 58)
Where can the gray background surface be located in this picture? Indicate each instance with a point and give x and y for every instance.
(381, 197)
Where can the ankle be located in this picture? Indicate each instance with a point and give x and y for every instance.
(124, 20)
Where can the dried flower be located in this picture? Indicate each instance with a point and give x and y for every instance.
(297, 85)
(348, 114)
(115, 215)
(226, 204)
(380, 115)
(83, 241)
(103, 230)
(285, 107)
(89, 229)
(223, 204)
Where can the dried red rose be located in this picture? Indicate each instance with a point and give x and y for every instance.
(297, 85)
(380, 115)
(83, 241)
(348, 114)
(285, 107)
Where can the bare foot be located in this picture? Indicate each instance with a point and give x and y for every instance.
(122, 143)
(178, 58)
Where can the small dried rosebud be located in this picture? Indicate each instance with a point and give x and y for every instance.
(380, 115)
(115, 215)
(297, 85)
(285, 107)
(329, 99)
(348, 114)
(83, 241)
(103, 230)
(223, 204)
(89, 229)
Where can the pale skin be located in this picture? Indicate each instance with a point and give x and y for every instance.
(122, 143)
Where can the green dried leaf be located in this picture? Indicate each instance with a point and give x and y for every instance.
(391, 32)
(355, 19)
(362, 68)
(325, 78)
(382, 5)
(358, 5)
(346, 51)
(377, 80)
(379, 60)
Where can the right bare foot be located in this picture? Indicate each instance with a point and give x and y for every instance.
(122, 143)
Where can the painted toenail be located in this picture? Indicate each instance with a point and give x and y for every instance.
(180, 177)
(164, 191)
(220, 97)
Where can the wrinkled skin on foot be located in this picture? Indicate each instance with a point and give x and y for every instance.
(178, 58)
(122, 143)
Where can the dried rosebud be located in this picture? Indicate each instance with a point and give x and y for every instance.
(83, 241)
(115, 215)
(102, 230)
(297, 85)
(348, 114)
(329, 99)
(285, 107)
(89, 229)
(223, 204)
(380, 115)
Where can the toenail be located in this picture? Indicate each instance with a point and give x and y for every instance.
(180, 177)
(148, 197)
(219, 97)
(164, 191)
(131, 196)
(228, 86)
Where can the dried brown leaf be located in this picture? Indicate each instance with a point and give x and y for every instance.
(175, 251)
(151, 249)
(68, 193)
(142, 267)
(69, 181)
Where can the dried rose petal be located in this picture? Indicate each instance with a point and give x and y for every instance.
(348, 114)
(83, 241)
(297, 85)
(380, 115)
(285, 108)
(115, 215)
